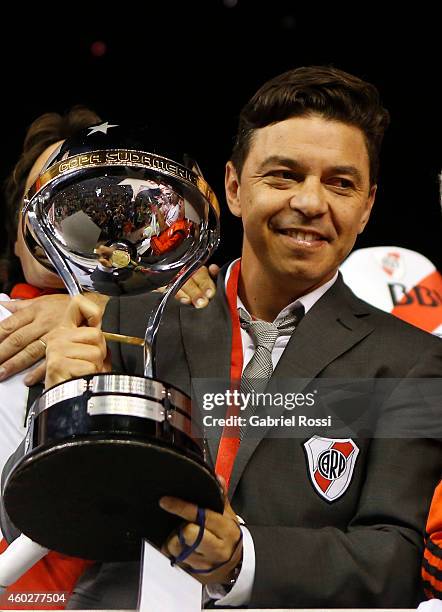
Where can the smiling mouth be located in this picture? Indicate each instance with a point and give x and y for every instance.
(304, 238)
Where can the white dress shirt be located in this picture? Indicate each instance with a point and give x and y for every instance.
(241, 591)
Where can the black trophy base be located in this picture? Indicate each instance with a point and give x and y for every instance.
(97, 497)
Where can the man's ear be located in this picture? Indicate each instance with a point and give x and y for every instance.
(233, 189)
(368, 206)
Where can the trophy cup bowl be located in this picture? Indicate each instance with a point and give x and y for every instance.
(112, 215)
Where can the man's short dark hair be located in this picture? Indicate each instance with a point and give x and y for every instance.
(325, 91)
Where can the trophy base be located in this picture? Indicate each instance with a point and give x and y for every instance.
(96, 496)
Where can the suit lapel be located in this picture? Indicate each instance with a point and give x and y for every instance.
(332, 326)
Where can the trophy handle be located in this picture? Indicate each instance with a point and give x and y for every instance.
(56, 258)
(153, 323)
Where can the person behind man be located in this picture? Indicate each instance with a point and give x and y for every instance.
(432, 560)
(27, 279)
(303, 178)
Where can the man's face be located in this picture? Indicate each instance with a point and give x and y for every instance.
(303, 196)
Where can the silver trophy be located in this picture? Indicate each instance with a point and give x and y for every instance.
(114, 216)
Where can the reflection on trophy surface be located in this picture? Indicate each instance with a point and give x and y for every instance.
(113, 215)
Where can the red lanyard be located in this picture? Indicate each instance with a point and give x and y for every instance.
(229, 443)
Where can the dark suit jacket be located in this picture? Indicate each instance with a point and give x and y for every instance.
(364, 549)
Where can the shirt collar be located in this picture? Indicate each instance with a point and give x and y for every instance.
(308, 300)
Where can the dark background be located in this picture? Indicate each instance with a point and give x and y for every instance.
(191, 65)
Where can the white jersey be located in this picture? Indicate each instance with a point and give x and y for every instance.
(399, 281)
(13, 401)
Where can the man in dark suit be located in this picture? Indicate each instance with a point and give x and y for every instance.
(363, 548)
(303, 179)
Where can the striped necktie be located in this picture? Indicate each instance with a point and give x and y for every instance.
(258, 371)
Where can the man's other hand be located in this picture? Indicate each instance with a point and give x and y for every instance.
(77, 346)
(221, 545)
